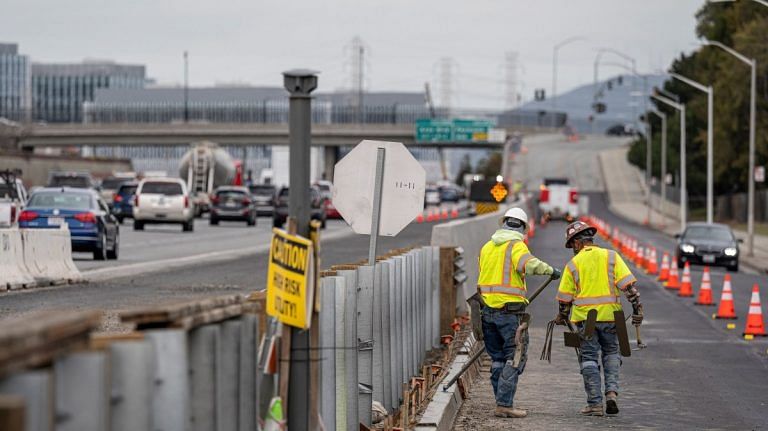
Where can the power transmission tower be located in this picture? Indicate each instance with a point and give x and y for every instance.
(446, 76)
(357, 67)
(511, 98)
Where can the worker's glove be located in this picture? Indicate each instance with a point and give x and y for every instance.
(561, 319)
(555, 274)
(637, 315)
(633, 296)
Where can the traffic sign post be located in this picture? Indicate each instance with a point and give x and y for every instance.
(389, 173)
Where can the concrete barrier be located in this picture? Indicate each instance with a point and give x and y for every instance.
(13, 272)
(36, 257)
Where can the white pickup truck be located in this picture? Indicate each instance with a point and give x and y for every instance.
(558, 199)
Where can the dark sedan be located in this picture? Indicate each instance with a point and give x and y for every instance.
(91, 226)
(232, 203)
(708, 244)
(317, 207)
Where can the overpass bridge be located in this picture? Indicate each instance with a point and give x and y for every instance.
(127, 134)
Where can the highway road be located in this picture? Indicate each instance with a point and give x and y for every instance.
(695, 373)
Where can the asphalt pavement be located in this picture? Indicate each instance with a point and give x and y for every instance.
(162, 264)
(695, 373)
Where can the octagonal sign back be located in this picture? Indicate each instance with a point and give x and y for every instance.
(402, 196)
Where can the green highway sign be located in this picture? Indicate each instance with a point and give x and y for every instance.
(457, 130)
(428, 130)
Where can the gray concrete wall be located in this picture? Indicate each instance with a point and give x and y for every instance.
(35, 167)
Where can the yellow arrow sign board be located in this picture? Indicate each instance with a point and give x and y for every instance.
(290, 279)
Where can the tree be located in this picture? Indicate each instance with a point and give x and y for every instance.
(490, 166)
(465, 167)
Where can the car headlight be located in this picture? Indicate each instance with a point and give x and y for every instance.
(687, 248)
(730, 251)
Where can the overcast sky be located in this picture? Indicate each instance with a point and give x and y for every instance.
(252, 41)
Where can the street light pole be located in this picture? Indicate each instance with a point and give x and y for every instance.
(299, 83)
(710, 137)
(555, 52)
(663, 175)
(648, 165)
(751, 62)
(186, 86)
(683, 174)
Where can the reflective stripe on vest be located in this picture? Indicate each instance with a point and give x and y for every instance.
(611, 269)
(575, 274)
(506, 290)
(596, 300)
(521, 263)
(507, 277)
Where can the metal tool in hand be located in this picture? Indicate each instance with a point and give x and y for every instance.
(640, 344)
(481, 349)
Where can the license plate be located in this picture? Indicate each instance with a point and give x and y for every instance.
(708, 258)
(55, 221)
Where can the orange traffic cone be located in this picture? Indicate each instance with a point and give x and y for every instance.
(532, 230)
(755, 325)
(705, 291)
(664, 275)
(616, 238)
(455, 213)
(444, 216)
(674, 281)
(653, 266)
(726, 310)
(430, 216)
(420, 217)
(686, 290)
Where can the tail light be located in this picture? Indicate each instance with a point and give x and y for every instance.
(28, 216)
(85, 217)
(214, 199)
(574, 196)
(135, 200)
(246, 202)
(13, 213)
(543, 194)
(186, 201)
(117, 198)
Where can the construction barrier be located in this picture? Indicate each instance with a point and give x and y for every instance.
(36, 257)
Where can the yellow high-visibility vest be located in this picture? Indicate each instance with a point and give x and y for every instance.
(502, 272)
(593, 279)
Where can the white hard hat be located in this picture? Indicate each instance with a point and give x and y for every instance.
(517, 213)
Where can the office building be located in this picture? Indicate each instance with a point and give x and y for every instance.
(15, 97)
(59, 90)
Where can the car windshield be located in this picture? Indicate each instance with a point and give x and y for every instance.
(262, 190)
(431, 191)
(230, 194)
(313, 193)
(127, 190)
(81, 182)
(714, 233)
(162, 188)
(61, 200)
(8, 191)
(324, 187)
(112, 183)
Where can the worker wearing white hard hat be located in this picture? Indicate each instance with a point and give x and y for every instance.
(504, 262)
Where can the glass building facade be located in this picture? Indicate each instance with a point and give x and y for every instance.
(15, 97)
(59, 90)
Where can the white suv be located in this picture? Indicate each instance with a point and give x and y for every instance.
(162, 200)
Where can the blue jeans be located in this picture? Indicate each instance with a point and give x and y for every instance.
(499, 333)
(603, 340)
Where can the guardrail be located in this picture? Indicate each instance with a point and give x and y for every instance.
(203, 364)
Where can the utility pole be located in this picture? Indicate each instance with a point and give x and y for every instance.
(446, 83)
(360, 105)
(300, 83)
(186, 87)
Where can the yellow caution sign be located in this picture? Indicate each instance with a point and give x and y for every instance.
(290, 279)
(499, 192)
(485, 208)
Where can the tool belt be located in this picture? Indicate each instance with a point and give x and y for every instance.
(510, 308)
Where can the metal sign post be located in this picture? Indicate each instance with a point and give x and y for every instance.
(376, 215)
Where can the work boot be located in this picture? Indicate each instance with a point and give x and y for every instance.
(593, 410)
(611, 407)
(509, 412)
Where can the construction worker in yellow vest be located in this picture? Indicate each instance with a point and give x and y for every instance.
(593, 280)
(504, 262)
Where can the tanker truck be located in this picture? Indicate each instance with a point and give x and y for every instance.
(204, 167)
